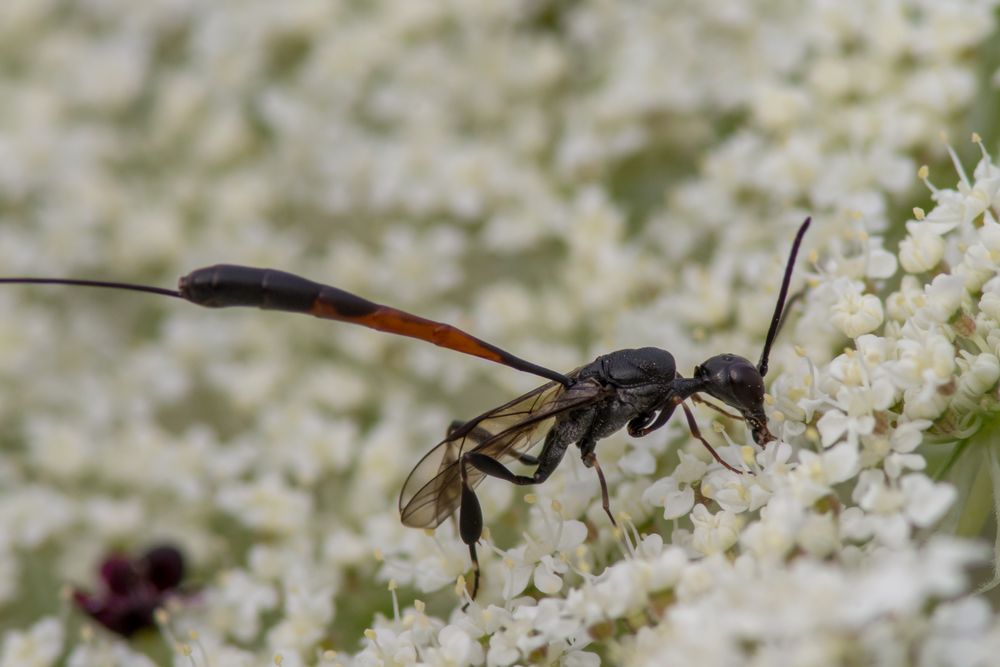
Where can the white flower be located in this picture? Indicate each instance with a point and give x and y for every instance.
(955, 635)
(855, 414)
(735, 493)
(119, 653)
(580, 659)
(267, 504)
(943, 297)
(910, 299)
(507, 169)
(855, 313)
(989, 303)
(980, 374)
(818, 535)
(234, 606)
(307, 613)
(816, 474)
(773, 535)
(387, 647)
(675, 499)
(620, 589)
(455, 647)
(895, 449)
(33, 514)
(922, 250)
(926, 361)
(926, 502)
(675, 492)
(547, 577)
(892, 509)
(550, 543)
(37, 647)
(834, 424)
(775, 107)
(714, 533)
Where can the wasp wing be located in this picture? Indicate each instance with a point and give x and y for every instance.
(433, 491)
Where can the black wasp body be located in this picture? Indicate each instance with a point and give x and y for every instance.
(634, 388)
(635, 382)
(640, 388)
(637, 388)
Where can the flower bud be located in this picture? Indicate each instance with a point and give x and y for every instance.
(921, 251)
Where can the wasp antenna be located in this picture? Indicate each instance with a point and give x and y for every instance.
(779, 307)
(93, 283)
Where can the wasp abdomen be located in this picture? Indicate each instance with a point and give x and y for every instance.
(224, 285)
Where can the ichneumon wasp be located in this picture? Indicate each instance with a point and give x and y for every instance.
(634, 388)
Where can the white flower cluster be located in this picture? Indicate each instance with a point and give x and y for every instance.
(563, 179)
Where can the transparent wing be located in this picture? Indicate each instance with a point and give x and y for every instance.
(434, 489)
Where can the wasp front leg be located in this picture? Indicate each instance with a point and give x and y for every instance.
(646, 424)
(696, 432)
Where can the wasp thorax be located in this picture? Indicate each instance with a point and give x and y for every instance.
(642, 366)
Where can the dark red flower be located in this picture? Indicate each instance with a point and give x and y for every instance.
(133, 589)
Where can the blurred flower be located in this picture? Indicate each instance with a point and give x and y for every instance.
(133, 589)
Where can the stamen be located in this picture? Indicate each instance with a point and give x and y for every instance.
(624, 536)
(395, 599)
(923, 174)
(978, 140)
(956, 162)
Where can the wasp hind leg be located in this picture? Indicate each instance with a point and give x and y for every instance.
(548, 461)
(470, 527)
(480, 435)
(470, 522)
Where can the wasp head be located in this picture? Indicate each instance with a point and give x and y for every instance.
(736, 382)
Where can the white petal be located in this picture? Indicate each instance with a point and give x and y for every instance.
(638, 462)
(678, 503)
(926, 501)
(832, 426)
(547, 581)
(840, 463)
(573, 534)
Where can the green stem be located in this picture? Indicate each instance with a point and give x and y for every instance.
(979, 501)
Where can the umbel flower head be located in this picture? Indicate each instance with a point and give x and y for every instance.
(562, 179)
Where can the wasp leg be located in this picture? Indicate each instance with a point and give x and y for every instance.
(697, 433)
(480, 435)
(590, 460)
(644, 425)
(638, 424)
(470, 527)
(549, 459)
(556, 443)
(470, 522)
(698, 399)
